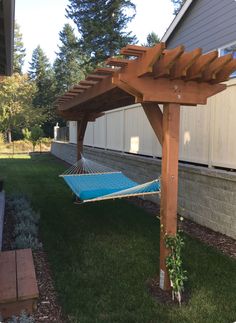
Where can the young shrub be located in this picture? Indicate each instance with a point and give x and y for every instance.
(25, 227)
(26, 134)
(174, 265)
(26, 240)
(26, 223)
(19, 203)
(36, 135)
(23, 318)
(27, 214)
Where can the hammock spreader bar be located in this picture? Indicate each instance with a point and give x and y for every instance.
(104, 184)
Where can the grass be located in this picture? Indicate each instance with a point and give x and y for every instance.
(25, 146)
(102, 255)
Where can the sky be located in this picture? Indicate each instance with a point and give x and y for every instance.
(40, 22)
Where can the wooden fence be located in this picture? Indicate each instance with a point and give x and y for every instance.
(208, 133)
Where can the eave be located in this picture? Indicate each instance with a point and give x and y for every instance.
(7, 17)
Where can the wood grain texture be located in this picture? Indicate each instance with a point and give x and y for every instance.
(8, 277)
(26, 278)
(169, 181)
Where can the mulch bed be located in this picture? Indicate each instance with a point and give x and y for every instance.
(214, 239)
(165, 297)
(48, 309)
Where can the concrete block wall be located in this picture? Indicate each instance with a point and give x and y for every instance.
(2, 211)
(206, 196)
(64, 151)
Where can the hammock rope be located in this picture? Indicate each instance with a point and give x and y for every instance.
(86, 166)
(103, 183)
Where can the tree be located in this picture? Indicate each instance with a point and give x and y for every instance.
(35, 135)
(19, 50)
(102, 26)
(68, 67)
(177, 5)
(41, 74)
(16, 108)
(152, 39)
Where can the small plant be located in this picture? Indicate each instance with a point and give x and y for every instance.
(26, 215)
(26, 240)
(36, 135)
(26, 223)
(26, 133)
(25, 227)
(23, 318)
(174, 265)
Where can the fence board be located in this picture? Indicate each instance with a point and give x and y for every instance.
(207, 133)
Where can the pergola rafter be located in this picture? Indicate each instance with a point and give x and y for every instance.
(151, 76)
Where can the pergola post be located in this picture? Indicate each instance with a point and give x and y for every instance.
(169, 184)
(81, 128)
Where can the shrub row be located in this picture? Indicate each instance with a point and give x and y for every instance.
(26, 223)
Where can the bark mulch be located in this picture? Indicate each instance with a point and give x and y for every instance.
(214, 239)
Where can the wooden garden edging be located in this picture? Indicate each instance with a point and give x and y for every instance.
(18, 286)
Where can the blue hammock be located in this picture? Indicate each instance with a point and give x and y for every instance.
(96, 186)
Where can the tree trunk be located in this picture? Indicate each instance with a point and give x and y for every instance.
(9, 140)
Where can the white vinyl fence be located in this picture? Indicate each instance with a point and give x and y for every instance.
(207, 134)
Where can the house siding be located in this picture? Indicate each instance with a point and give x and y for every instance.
(206, 24)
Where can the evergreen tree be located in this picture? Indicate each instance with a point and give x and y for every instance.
(152, 39)
(41, 74)
(19, 50)
(177, 5)
(102, 26)
(68, 67)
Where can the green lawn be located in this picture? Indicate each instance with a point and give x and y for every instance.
(102, 255)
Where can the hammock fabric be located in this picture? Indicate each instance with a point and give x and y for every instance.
(92, 182)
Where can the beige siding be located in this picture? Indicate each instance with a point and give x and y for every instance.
(194, 134)
(138, 133)
(224, 128)
(100, 132)
(207, 133)
(115, 130)
(73, 132)
(89, 134)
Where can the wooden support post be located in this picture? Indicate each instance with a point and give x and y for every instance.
(81, 128)
(169, 183)
(154, 115)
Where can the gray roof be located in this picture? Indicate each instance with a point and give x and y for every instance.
(176, 20)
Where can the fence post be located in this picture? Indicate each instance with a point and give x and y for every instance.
(56, 128)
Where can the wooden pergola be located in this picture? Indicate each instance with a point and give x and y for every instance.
(151, 76)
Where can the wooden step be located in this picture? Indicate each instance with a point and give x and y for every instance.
(18, 286)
